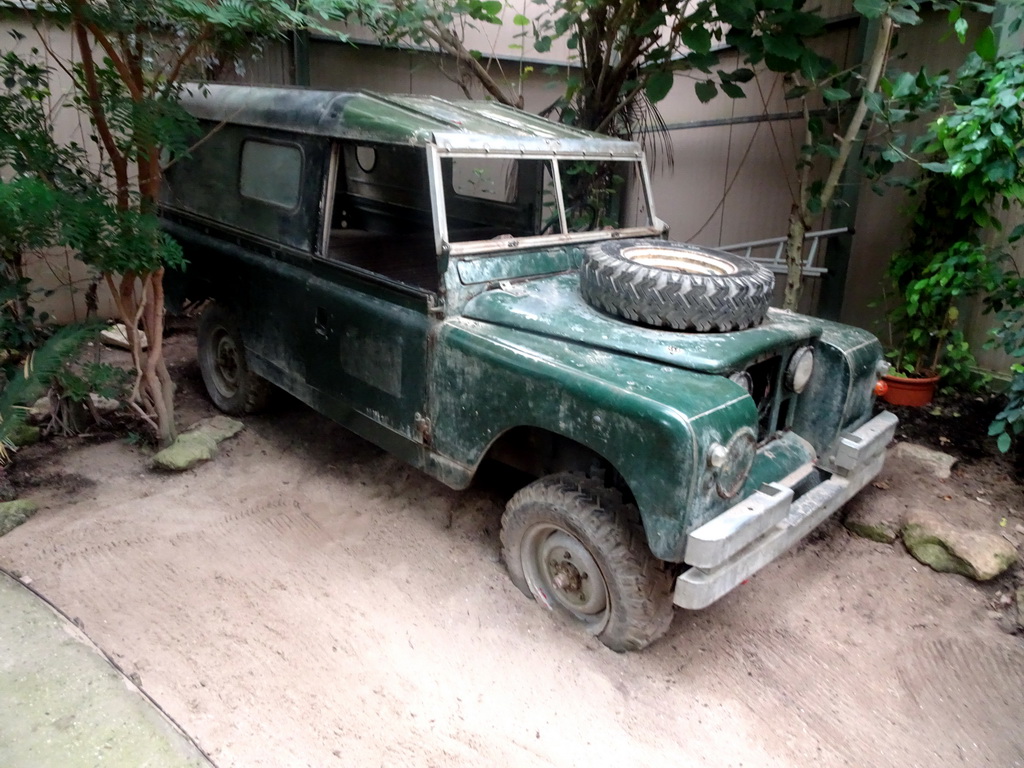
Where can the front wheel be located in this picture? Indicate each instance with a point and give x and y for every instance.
(232, 387)
(579, 550)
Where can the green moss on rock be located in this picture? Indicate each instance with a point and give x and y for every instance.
(14, 513)
(949, 549)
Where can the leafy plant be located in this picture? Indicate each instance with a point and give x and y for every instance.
(932, 286)
(33, 377)
(975, 169)
(130, 62)
(1007, 302)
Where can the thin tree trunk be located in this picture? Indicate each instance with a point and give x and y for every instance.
(801, 212)
(794, 259)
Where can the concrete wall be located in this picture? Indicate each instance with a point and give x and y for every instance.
(59, 279)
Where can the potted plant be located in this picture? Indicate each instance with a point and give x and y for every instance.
(976, 170)
(925, 341)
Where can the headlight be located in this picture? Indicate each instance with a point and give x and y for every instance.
(731, 462)
(743, 379)
(800, 368)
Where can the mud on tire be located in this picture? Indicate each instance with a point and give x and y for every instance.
(673, 285)
(574, 546)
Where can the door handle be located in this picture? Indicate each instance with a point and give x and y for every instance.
(320, 323)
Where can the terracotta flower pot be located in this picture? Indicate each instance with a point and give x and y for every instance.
(906, 391)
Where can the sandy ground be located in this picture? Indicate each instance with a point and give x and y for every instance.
(306, 600)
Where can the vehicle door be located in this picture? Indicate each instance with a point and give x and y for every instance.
(370, 296)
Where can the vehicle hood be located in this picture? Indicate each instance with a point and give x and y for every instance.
(553, 307)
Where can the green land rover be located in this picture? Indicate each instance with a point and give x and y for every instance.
(458, 282)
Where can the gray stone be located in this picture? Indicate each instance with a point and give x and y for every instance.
(930, 461)
(103, 405)
(1020, 607)
(40, 411)
(197, 445)
(14, 513)
(950, 549)
(872, 521)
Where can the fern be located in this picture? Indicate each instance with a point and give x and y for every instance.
(34, 375)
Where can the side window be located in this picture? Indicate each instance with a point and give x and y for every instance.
(252, 180)
(271, 173)
(382, 214)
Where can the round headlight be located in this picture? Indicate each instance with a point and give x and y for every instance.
(800, 368)
(743, 379)
(731, 462)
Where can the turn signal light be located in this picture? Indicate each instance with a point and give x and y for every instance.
(881, 388)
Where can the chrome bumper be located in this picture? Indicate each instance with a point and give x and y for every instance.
(729, 549)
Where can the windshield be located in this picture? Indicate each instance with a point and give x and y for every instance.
(514, 197)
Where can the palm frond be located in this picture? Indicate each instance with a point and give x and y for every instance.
(34, 375)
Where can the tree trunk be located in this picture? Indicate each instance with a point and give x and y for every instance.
(794, 259)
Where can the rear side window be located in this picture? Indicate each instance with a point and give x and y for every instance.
(271, 173)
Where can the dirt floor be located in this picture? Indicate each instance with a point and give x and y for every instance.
(306, 600)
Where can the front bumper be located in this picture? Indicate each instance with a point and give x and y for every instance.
(725, 551)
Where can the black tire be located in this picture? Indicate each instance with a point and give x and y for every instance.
(576, 548)
(673, 285)
(232, 387)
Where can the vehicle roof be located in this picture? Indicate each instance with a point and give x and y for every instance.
(416, 120)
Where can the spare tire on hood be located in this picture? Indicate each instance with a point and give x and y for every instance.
(674, 285)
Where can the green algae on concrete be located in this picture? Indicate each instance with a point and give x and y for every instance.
(14, 513)
(63, 706)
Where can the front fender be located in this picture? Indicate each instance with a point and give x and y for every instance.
(638, 415)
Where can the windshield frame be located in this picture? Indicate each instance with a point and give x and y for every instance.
(476, 247)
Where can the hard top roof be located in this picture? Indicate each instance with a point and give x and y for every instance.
(417, 120)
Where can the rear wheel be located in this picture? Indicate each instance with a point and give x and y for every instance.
(232, 387)
(579, 550)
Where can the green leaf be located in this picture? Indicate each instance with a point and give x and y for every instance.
(960, 26)
(1017, 233)
(836, 94)
(904, 16)
(542, 44)
(706, 91)
(937, 167)
(732, 90)
(520, 21)
(986, 45)
(1003, 442)
(658, 85)
(783, 46)
(653, 22)
(870, 8)
(697, 39)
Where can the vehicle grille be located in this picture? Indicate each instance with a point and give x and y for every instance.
(774, 404)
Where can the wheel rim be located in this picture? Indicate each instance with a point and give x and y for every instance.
(679, 260)
(227, 363)
(564, 576)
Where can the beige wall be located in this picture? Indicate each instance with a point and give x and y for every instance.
(56, 271)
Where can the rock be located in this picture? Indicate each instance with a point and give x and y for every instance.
(1020, 607)
(872, 521)
(104, 406)
(932, 462)
(117, 336)
(197, 445)
(24, 434)
(40, 411)
(951, 549)
(220, 428)
(14, 513)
